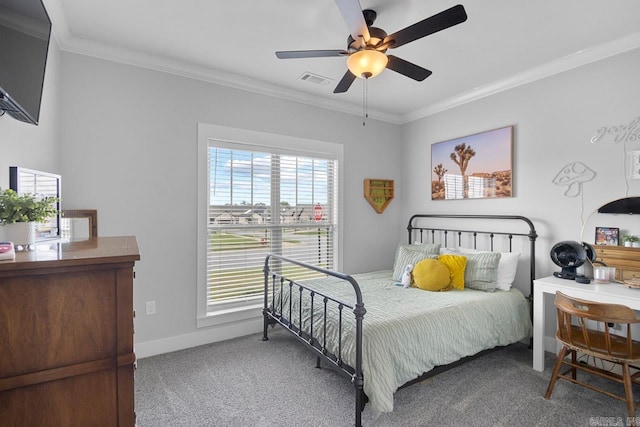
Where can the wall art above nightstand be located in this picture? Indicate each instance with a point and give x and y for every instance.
(379, 193)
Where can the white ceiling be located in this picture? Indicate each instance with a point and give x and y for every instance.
(503, 43)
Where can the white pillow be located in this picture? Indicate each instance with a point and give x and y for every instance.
(448, 251)
(507, 267)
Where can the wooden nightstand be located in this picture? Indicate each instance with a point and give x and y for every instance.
(625, 260)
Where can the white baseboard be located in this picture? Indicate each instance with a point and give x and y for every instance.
(551, 345)
(207, 336)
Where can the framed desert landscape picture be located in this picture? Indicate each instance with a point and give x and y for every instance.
(477, 166)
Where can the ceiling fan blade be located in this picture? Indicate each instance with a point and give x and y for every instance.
(352, 14)
(438, 22)
(406, 68)
(345, 83)
(290, 54)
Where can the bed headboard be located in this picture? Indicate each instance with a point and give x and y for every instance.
(476, 230)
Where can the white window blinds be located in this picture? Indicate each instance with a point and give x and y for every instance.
(264, 202)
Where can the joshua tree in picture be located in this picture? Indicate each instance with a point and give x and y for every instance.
(440, 171)
(461, 157)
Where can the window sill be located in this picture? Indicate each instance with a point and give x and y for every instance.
(236, 314)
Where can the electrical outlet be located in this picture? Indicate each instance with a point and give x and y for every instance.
(151, 307)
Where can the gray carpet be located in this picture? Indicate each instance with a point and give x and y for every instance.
(248, 382)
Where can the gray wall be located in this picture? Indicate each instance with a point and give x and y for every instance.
(124, 139)
(555, 119)
(129, 140)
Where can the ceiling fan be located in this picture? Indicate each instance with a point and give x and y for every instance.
(366, 45)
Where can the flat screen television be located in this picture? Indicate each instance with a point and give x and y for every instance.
(25, 30)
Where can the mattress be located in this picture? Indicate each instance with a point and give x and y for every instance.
(407, 332)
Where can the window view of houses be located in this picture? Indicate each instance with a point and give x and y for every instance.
(263, 203)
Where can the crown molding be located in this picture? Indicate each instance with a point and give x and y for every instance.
(197, 72)
(59, 26)
(172, 66)
(67, 42)
(566, 63)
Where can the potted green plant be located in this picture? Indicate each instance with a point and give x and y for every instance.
(631, 241)
(20, 213)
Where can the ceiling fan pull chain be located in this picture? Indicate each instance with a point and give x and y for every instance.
(365, 92)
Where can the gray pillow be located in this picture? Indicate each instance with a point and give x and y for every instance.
(481, 271)
(412, 254)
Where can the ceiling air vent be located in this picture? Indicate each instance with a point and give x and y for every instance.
(315, 79)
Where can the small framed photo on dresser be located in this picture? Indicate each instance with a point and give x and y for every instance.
(609, 236)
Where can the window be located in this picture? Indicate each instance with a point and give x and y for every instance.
(42, 185)
(264, 194)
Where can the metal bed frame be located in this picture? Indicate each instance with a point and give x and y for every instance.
(532, 235)
(275, 311)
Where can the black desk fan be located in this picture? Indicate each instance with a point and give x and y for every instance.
(570, 255)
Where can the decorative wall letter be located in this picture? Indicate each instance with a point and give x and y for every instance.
(622, 133)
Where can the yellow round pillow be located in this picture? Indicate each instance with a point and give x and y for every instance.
(431, 275)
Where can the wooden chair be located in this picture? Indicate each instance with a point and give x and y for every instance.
(596, 340)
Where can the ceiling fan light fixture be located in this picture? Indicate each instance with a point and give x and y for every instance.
(367, 63)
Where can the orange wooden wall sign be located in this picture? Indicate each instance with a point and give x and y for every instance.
(379, 193)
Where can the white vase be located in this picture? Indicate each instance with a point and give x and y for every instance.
(20, 233)
(636, 244)
(628, 244)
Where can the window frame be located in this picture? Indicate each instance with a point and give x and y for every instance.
(242, 139)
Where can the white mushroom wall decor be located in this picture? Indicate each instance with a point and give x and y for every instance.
(573, 176)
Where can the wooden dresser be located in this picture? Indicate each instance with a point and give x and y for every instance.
(625, 260)
(66, 334)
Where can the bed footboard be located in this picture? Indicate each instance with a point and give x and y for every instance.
(277, 310)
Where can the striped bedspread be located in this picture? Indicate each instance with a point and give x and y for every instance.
(407, 332)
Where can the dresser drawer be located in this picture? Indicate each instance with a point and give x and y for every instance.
(625, 260)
